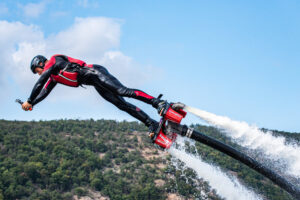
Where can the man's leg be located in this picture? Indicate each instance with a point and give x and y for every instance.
(127, 107)
(108, 81)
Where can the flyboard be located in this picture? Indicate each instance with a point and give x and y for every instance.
(169, 127)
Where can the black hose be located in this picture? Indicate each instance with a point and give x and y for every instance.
(273, 176)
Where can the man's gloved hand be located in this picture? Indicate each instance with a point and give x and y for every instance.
(162, 106)
(26, 106)
(152, 129)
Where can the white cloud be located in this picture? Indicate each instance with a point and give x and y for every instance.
(15, 38)
(15, 32)
(93, 40)
(34, 9)
(87, 38)
(25, 52)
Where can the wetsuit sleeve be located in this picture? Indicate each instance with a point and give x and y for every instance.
(39, 84)
(45, 91)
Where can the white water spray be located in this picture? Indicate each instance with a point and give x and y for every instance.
(228, 188)
(251, 137)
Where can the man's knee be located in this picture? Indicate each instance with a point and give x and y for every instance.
(124, 91)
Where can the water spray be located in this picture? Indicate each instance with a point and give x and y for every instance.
(253, 138)
(225, 186)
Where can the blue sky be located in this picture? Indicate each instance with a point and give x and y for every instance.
(234, 58)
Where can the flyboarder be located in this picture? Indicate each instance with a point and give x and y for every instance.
(73, 72)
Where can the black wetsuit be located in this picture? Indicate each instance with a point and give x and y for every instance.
(113, 91)
(98, 76)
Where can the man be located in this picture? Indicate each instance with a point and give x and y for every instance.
(73, 72)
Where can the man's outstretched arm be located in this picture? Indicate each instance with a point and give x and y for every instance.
(39, 85)
(45, 91)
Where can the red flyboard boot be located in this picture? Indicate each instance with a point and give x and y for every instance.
(163, 141)
(168, 114)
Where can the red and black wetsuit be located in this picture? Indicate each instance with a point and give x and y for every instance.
(72, 72)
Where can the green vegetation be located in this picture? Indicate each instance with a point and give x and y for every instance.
(62, 158)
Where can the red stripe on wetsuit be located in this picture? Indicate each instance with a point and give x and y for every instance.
(143, 94)
(48, 82)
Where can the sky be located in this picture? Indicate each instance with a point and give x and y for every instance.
(233, 58)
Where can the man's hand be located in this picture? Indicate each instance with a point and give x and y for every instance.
(26, 106)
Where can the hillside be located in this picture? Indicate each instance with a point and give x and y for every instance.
(104, 159)
(69, 159)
